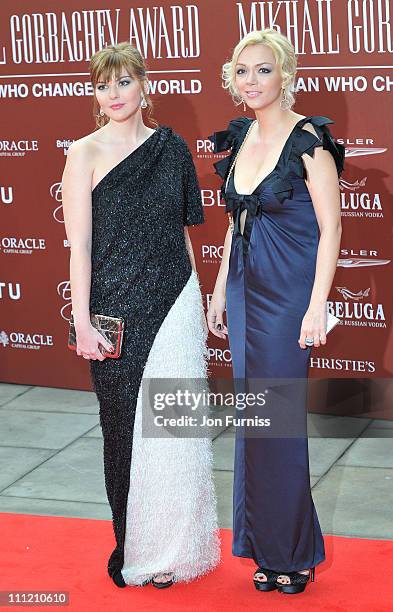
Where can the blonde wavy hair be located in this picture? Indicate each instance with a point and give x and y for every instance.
(283, 52)
(112, 60)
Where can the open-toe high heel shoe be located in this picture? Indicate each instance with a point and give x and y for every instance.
(270, 583)
(162, 585)
(298, 581)
(119, 581)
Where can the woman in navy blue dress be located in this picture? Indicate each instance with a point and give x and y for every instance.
(282, 194)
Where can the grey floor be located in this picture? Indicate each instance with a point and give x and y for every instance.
(51, 463)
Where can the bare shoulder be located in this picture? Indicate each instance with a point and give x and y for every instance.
(310, 128)
(84, 148)
(81, 159)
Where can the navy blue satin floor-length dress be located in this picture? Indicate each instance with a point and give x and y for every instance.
(270, 279)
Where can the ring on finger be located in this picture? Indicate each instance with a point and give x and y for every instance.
(309, 341)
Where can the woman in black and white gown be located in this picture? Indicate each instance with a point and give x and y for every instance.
(129, 194)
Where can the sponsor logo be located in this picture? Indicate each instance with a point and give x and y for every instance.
(6, 194)
(4, 339)
(362, 151)
(354, 312)
(64, 291)
(55, 192)
(64, 144)
(10, 290)
(212, 197)
(17, 148)
(342, 365)
(220, 357)
(347, 294)
(23, 340)
(361, 262)
(352, 186)
(204, 149)
(21, 246)
(360, 258)
(359, 147)
(354, 204)
(211, 253)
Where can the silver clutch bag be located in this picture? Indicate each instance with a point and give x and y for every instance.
(111, 328)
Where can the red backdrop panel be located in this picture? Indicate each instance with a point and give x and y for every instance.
(345, 72)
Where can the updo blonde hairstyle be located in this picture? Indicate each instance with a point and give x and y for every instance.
(112, 60)
(284, 54)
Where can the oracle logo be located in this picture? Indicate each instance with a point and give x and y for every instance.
(21, 246)
(23, 340)
(17, 148)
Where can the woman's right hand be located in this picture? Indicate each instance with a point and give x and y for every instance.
(215, 316)
(88, 341)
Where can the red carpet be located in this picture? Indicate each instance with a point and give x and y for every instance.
(44, 553)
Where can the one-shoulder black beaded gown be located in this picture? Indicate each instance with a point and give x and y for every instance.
(270, 279)
(160, 491)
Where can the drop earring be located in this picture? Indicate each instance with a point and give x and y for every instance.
(244, 104)
(284, 103)
(143, 102)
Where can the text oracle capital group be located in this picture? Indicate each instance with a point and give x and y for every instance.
(167, 32)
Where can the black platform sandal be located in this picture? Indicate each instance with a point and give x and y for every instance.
(162, 585)
(119, 581)
(270, 583)
(298, 582)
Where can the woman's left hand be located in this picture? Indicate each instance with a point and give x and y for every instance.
(313, 327)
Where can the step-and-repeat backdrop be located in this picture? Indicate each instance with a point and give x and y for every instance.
(345, 72)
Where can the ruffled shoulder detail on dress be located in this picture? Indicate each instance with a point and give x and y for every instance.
(303, 141)
(230, 138)
(306, 142)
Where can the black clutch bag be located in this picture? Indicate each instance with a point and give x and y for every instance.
(112, 328)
